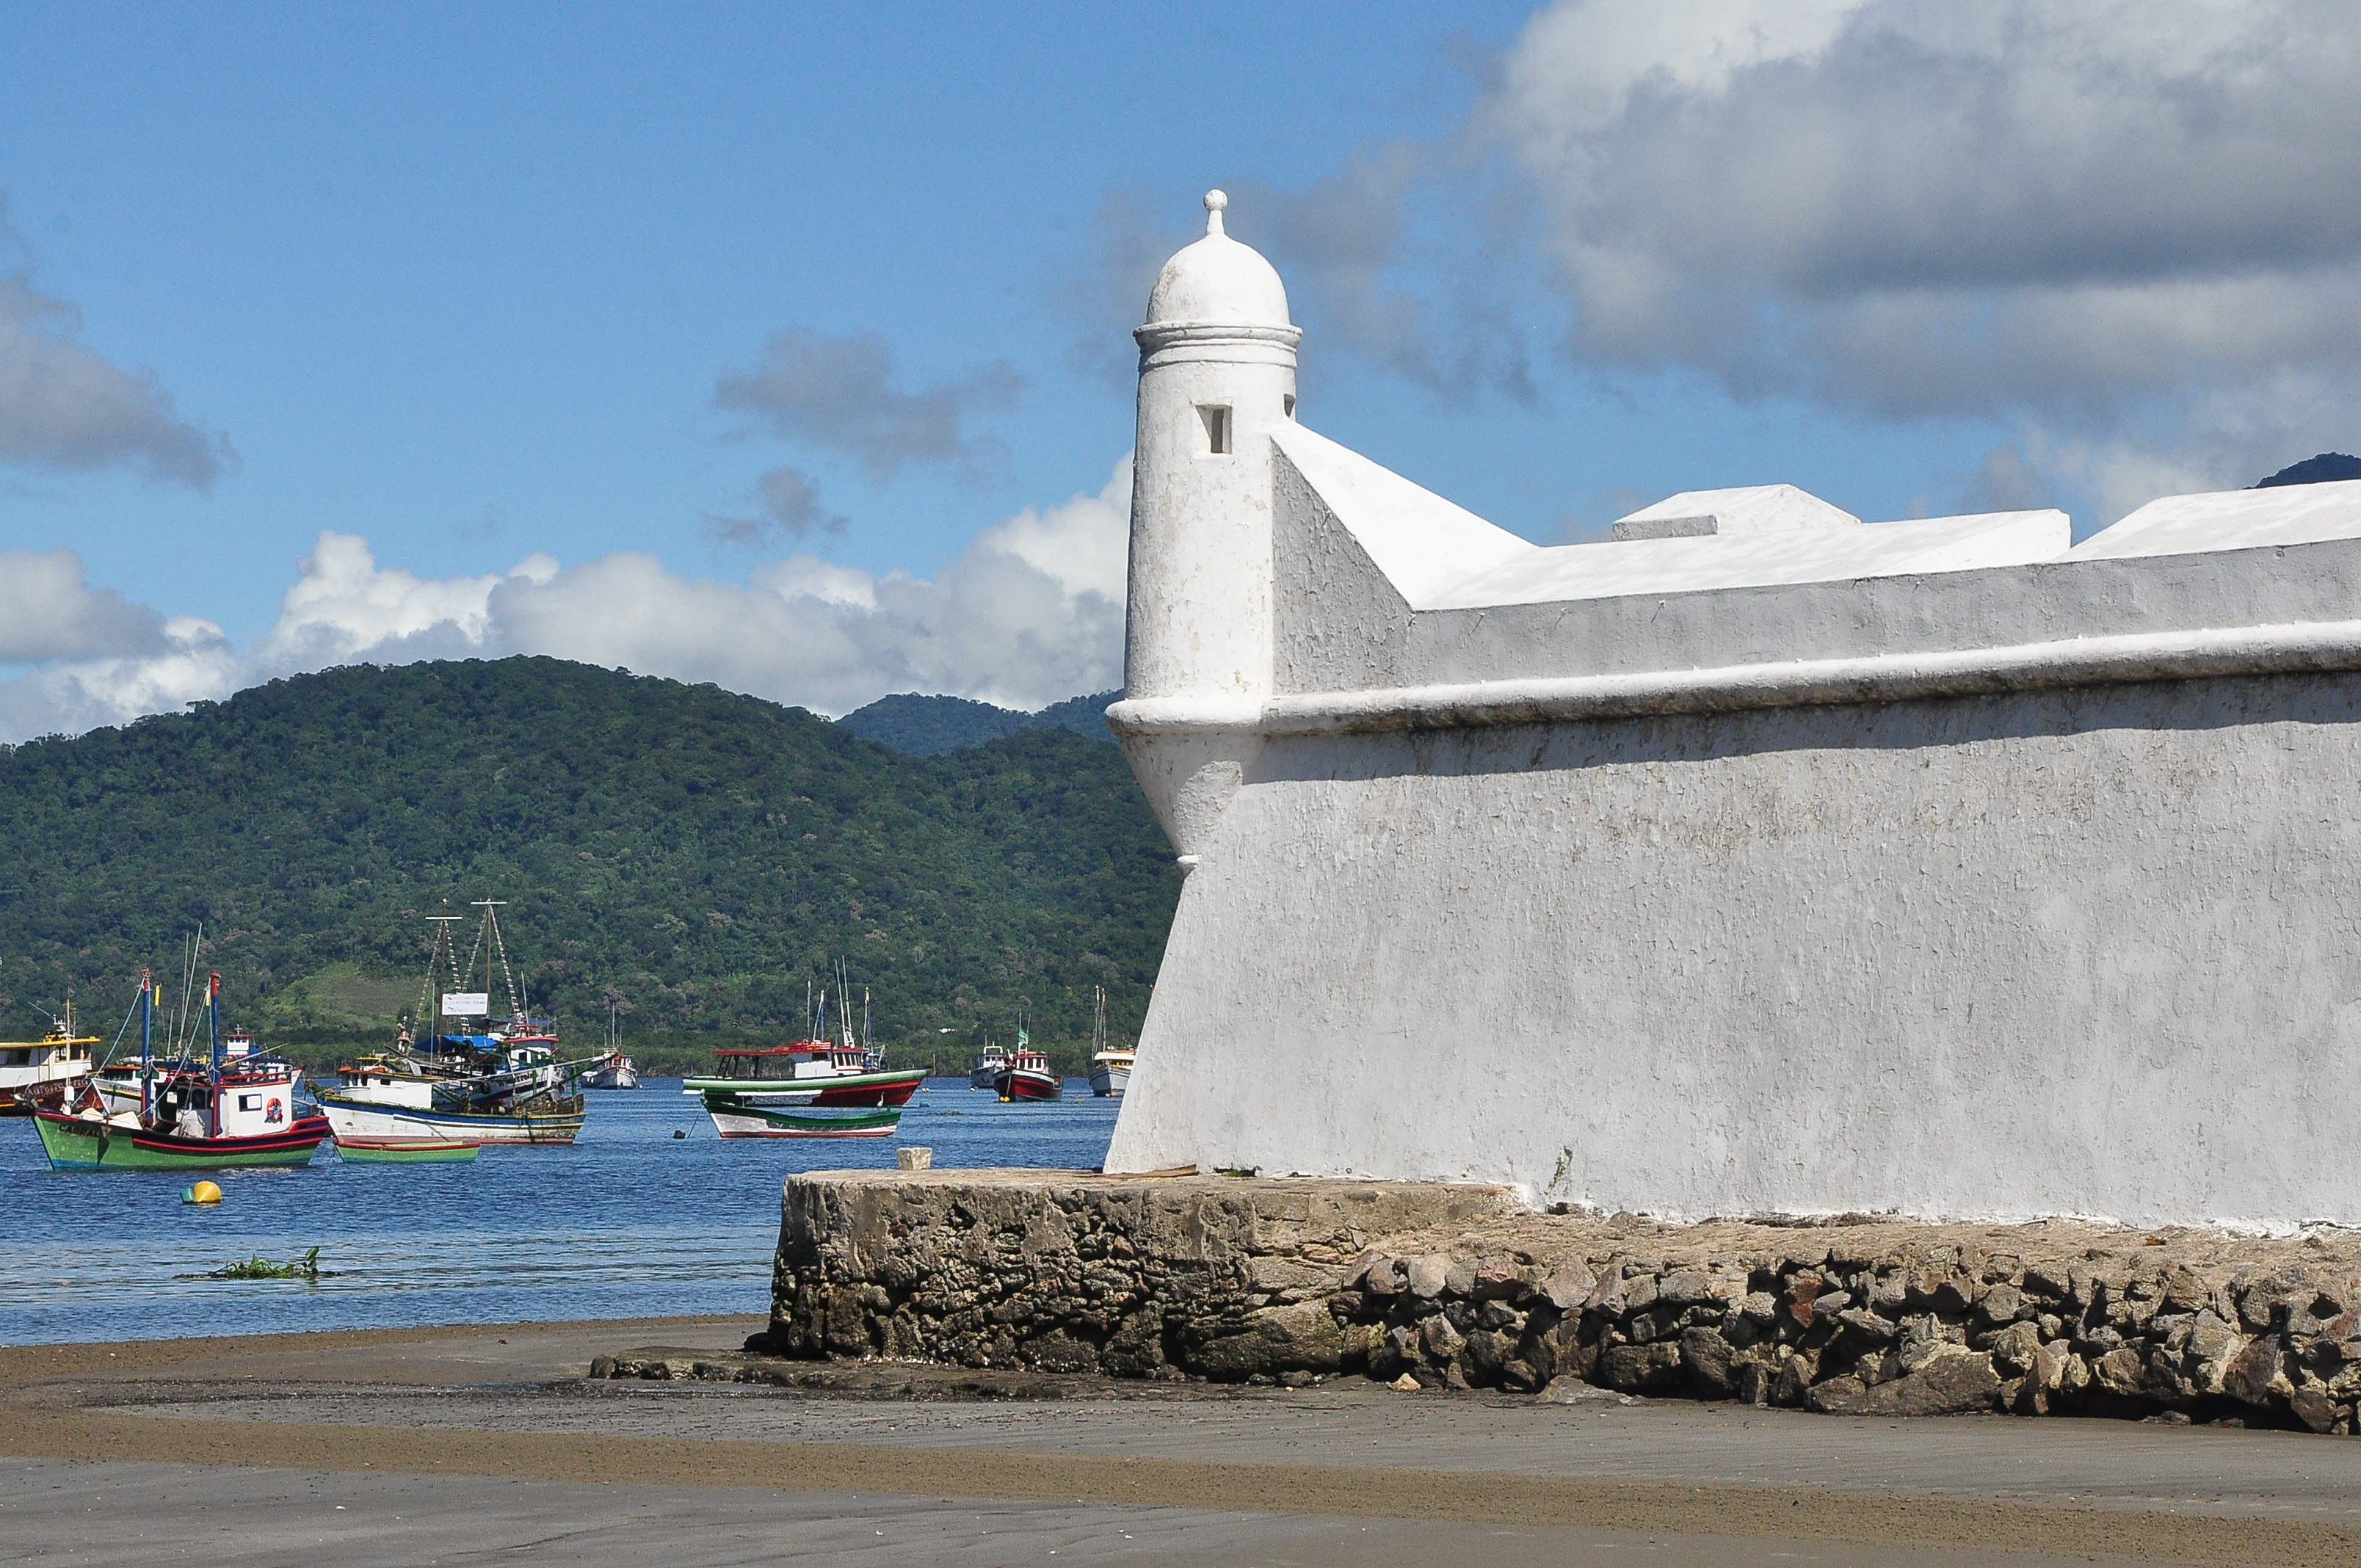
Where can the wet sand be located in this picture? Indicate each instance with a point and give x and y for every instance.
(441, 1444)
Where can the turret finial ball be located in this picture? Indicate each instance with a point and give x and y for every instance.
(1216, 201)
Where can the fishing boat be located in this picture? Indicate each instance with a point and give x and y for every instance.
(735, 1118)
(525, 1097)
(1110, 1065)
(990, 1062)
(31, 1069)
(1029, 1074)
(811, 1087)
(407, 1151)
(191, 1116)
(467, 1075)
(615, 1071)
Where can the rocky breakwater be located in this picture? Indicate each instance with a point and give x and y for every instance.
(1238, 1279)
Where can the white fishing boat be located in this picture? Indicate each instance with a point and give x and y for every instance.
(990, 1063)
(28, 1069)
(1110, 1065)
(467, 1075)
(615, 1069)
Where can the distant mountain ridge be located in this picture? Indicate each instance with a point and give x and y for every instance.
(918, 726)
(2326, 468)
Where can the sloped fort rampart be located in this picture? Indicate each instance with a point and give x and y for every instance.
(1755, 861)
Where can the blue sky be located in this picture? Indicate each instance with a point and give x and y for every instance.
(467, 284)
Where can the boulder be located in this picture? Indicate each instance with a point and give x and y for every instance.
(1710, 1361)
(1304, 1337)
(1569, 1286)
(2256, 1375)
(1687, 1288)
(1575, 1391)
(2015, 1348)
(1642, 1368)
(2001, 1304)
(1947, 1385)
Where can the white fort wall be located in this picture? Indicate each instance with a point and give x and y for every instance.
(2091, 951)
(1760, 860)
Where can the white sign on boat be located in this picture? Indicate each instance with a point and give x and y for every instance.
(467, 1003)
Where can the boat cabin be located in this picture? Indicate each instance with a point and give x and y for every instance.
(781, 1064)
(251, 1104)
(58, 1055)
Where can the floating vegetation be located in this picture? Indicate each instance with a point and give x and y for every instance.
(306, 1267)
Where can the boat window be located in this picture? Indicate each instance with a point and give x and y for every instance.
(250, 1102)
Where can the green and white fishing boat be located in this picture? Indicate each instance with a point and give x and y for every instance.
(813, 1088)
(214, 1114)
(738, 1119)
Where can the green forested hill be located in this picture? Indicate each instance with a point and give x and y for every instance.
(931, 726)
(693, 855)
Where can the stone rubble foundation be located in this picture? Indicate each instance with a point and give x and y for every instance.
(1290, 1281)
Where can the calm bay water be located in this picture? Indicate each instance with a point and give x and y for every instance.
(628, 1223)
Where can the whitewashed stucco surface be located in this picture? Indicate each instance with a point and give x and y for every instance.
(2095, 952)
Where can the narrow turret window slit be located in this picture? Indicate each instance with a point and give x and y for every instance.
(1217, 427)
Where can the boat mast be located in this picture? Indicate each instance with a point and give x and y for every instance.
(843, 1008)
(183, 1028)
(213, 1034)
(440, 964)
(508, 979)
(147, 1044)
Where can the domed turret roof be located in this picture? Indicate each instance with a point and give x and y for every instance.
(1218, 280)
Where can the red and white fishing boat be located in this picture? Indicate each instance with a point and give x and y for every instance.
(1029, 1074)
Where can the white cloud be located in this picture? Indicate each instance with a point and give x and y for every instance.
(1029, 613)
(2090, 214)
(49, 611)
(65, 405)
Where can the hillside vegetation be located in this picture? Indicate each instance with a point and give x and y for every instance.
(929, 726)
(692, 856)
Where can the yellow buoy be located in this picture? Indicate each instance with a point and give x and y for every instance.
(203, 1192)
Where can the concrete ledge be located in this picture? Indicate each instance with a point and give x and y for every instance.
(1238, 1279)
(2325, 647)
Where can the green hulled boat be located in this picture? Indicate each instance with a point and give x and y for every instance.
(90, 1142)
(735, 1118)
(214, 1114)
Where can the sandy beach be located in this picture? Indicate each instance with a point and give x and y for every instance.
(449, 1445)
